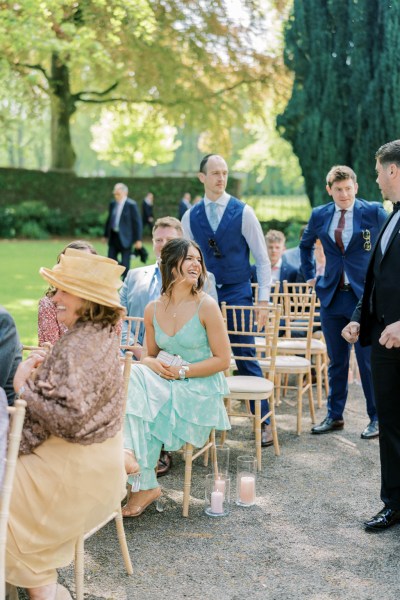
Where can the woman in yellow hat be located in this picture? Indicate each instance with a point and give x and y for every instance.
(70, 473)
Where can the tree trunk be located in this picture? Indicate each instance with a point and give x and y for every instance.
(63, 107)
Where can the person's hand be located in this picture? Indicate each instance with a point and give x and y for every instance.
(262, 315)
(390, 336)
(26, 367)
(160, 368)
(138, 245)
(351, 332)
(311, 282)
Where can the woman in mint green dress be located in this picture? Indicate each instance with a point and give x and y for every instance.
(172, 405)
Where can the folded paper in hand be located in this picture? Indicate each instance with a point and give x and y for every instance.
(171, 360)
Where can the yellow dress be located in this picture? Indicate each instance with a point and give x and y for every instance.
(50, 483)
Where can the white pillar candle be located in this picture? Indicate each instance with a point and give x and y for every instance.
(217, 499)
(247, 489)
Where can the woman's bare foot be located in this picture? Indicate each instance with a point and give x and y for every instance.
(131, 464)
(139, 501)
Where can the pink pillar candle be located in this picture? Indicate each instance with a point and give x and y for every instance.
(219, 485)
(247, 489)
(217, 500)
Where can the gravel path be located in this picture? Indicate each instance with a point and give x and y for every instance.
(304, 539)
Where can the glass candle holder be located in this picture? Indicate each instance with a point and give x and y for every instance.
(246, 480)
(218, 496)
(220, 461)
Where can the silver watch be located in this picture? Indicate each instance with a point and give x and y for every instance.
(182, 372)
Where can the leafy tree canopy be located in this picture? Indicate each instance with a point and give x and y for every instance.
(193, 60)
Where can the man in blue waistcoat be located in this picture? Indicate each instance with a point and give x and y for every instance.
(227, 230)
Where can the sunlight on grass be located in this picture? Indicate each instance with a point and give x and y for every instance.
(22, 286)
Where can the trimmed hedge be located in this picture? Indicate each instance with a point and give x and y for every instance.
(36, 204)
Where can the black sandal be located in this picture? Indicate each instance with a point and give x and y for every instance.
(164, 463)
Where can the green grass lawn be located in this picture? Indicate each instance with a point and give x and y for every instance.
(21, 285)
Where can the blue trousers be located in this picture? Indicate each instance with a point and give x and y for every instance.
(333, 319)
(240, 294)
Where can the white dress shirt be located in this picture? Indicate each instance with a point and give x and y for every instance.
(252, 233)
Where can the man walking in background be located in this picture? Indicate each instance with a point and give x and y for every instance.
(347, 228)
(123, 227)
(227, 230)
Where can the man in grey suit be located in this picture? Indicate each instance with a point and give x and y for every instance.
(10, 353)
(143, 284)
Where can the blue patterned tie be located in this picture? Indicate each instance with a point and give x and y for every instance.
(213, 216)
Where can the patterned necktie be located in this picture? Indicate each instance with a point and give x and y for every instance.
(213, 216)
(155, 285)
(339, 240)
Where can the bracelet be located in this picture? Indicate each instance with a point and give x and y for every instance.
(20, 392)
(182, 372)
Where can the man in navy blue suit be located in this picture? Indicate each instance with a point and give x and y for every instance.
(123, 227)
(347, 228)
(227, 230)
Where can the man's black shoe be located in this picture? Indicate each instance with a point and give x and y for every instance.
(384, 519)
(328, 424)
(371, 431)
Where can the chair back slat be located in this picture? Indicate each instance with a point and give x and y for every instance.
(244, 321)
(131, 327)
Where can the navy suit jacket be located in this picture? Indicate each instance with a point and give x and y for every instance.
(367, 216)
(10, 353)
(130, 223)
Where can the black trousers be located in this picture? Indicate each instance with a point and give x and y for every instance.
(115, 249)
(385, 365)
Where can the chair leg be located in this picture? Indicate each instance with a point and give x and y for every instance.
(188, 478)
(311, 398)
(318, 374)
(273, 425)
(285, 385)
(257, 420)
(299, 402)
(122, 542)
(79, 567)
(277, 384)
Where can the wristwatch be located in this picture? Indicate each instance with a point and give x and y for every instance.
(182, 372)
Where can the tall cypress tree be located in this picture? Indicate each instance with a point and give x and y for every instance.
(345, 56)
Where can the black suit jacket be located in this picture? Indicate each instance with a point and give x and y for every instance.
(130, 223)
(381, 298)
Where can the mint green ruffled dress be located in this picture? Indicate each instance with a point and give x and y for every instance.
(161, 411)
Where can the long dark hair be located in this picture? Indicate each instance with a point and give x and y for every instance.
(172, 256)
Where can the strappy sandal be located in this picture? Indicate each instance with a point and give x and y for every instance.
(135, 510)
(164, 463)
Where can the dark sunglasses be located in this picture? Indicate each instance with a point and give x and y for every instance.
(213, 245)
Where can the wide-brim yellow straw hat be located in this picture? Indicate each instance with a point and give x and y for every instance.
(88, 276)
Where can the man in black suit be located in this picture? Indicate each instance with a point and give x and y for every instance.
(123, 227)
(376, 321)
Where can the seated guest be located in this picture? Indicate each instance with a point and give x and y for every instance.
(49, 329)
(70, 474)
(172, 405)
(10, 353)
(281, 268)
(143, 284)
(3, 431)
